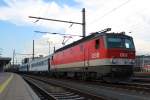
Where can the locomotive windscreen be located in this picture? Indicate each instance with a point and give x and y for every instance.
(119, 42)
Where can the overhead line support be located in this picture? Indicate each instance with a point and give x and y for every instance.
(83, 21)
(54, 20)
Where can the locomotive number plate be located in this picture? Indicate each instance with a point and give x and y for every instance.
(95, 55)
(123, 55)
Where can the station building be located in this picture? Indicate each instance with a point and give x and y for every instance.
(4, 63)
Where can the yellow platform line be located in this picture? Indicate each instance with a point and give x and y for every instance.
(4, 85)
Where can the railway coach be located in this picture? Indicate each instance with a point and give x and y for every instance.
(99, 55)
(40, 64)
(24, 68)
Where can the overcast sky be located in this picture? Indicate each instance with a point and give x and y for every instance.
(17, 30)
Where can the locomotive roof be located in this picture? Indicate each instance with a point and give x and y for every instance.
(92, 36)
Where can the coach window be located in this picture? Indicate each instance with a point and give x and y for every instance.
(97, 44)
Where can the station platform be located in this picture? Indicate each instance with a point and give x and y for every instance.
(13, 87)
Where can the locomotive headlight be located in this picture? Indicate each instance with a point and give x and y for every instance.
(132, 61)
(114, 61)
(126, 61)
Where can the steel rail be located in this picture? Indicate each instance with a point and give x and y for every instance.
(71, 89)
(43, 95)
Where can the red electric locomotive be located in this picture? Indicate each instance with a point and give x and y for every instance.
(99, 55)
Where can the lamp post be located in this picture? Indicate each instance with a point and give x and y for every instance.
(13, 58)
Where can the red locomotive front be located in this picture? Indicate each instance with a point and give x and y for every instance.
(120, 54)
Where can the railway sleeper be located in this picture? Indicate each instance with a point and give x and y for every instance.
(80, 98)
(64, 94)
(68, 97)
(57, 93)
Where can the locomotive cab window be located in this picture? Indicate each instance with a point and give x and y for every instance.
(119, 42)
(97, 44)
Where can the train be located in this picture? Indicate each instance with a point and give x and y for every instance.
(101, 55)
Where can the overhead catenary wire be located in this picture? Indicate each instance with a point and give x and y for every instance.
(57, 33)
(19, 56)
(83, 23)
(109, 12)
(66, 36)
(22, 54)
(44, 10)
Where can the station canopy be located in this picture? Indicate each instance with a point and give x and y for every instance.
(3, 62)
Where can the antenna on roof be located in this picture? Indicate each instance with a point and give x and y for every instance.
(104, 30)
(122, 33)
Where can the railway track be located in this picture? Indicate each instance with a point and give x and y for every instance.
(142, 87)
(131, 86)
(42, 94)
(51, 91)
(107, 91)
